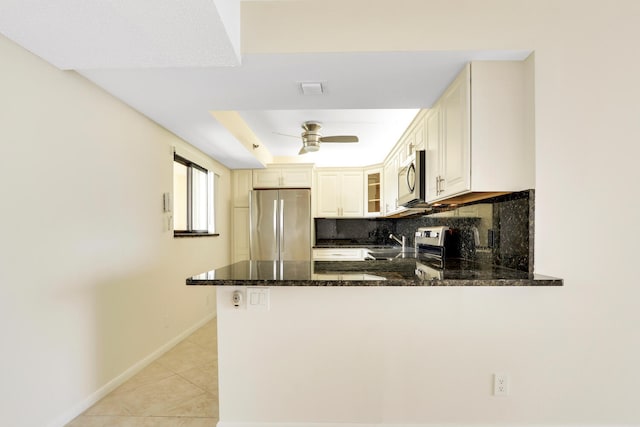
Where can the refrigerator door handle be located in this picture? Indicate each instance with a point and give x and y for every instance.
(275, 226)
(281, 229)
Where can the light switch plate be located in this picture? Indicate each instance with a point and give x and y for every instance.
(258, 298)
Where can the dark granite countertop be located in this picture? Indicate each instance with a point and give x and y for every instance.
(396, 272)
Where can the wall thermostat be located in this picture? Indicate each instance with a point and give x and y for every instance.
(166, 202)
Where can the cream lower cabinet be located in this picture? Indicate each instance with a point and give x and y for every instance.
(240, 240)
(339, 254)
(339, 193)
(241, 185)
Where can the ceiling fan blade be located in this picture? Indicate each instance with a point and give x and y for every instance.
(303, 150)
(339, 138)
(285, 134)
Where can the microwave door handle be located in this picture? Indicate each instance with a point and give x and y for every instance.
(411, 185)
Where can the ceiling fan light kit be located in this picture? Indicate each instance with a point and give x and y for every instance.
(309, 148)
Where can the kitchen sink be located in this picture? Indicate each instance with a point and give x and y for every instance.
(390, 253)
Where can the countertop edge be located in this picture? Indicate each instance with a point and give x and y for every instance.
(376, 283)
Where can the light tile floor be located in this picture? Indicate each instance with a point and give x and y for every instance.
(179, 389)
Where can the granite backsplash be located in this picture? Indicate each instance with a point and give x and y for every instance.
(497, 231)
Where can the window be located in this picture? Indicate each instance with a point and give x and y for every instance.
(193, 198)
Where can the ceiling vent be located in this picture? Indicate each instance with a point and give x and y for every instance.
(311, 88)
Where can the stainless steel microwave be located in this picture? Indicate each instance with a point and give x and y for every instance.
(411, 180)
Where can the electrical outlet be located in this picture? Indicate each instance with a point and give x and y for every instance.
(500, 384)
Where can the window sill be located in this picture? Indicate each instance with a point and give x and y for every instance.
(182, 234)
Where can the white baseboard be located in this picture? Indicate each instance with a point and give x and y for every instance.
(301, 424)
(224, 424)
(94, 397)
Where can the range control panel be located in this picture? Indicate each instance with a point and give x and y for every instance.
(432, 236)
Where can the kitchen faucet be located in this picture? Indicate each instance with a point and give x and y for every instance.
(403, 242)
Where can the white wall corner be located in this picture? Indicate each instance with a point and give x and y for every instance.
(229, 12)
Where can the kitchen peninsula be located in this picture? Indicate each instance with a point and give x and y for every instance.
(332, 335)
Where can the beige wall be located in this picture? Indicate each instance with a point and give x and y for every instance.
(427, 355)
(87, 273)
(91, 282)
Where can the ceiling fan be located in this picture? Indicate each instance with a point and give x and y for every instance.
(311, 137)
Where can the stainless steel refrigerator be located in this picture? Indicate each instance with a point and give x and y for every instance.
(280, 225)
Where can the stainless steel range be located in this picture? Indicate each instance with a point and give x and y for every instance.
(432, 246)
(430, 241)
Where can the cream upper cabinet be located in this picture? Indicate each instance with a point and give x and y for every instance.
(455, 173)
(476, 134)
(390, 187)
(433, 149)
(373, 191)
(327, 197)
(297, 177)
(405, 146)
(413, 138)
(241, 184)
(283, 177)
(339, 193)
(267, 178)
(419, 132)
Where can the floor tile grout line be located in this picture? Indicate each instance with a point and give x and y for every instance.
(194, 384)
(206, 391)
(117, 391)
(198, 344)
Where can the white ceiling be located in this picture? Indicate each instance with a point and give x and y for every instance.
(373, 95)
(82, 34)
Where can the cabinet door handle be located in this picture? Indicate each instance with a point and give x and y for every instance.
(439, 186)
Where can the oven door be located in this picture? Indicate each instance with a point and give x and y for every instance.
(407, 183)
